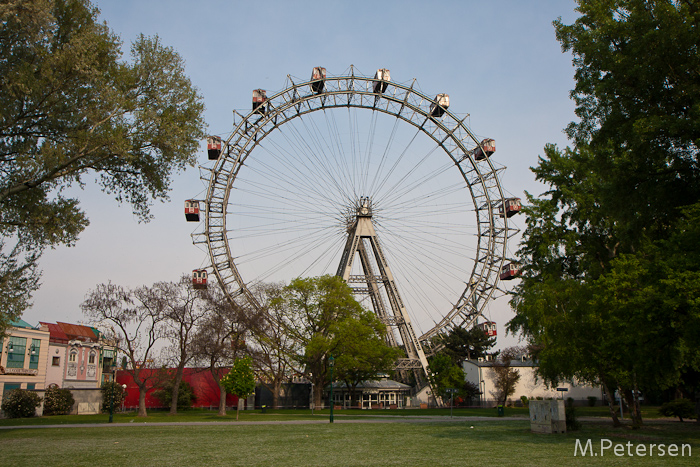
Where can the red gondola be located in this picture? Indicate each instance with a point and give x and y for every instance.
(383, 77)
(487, 147)
(512, 207)
(509, 271)
(318, 76)
(259, 99)
(437, 108)
(489, 327)
(199, 278)
(192, 210)
(213, 147)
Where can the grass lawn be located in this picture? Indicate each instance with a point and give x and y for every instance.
(400, 442)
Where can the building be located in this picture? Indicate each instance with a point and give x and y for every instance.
(480, 373)
(78, 356)
(23, 357)
(377, 394)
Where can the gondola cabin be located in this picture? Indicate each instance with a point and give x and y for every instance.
(192, 210)
(259, 99)
(509, 271)
(485, 149)
(213, 147)
(489, 328)
(511, 207)
(382, 78)
(437, 108)
(199, 278)
(318, 76)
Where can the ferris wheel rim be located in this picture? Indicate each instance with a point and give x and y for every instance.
(447, 131)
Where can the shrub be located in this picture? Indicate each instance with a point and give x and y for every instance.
(111, 389)
(681, 408)
(185, 394)
(572, 424)
(525, 401)
(20, 403)
(58, 401)
(592, 401)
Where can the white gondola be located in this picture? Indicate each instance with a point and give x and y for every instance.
(213, 147)
(382, 78)
(487, 147)
(199, 278)
(259, 99)
(318, 76)
(437, 108)
(192, 210)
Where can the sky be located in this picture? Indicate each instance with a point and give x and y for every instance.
(499, 61)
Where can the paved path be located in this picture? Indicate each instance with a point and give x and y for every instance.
(321, 420)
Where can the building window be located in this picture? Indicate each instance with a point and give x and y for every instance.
(16, 350)
(91, 358)
(73, 356)
(34, 354)
(56, 361)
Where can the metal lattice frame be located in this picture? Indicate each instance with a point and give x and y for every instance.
(403, 102)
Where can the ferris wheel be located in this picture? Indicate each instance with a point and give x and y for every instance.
(333, 158)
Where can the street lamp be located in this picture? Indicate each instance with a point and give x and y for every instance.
(311, 379)
(331, 362)
(111, 401)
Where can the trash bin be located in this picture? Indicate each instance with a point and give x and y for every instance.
(500, 411)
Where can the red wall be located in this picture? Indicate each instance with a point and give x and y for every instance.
(206, 389)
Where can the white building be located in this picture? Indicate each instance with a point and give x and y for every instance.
(480, 373)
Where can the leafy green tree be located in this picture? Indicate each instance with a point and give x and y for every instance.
(681, 408)
(317, 306)
(240, 381)
(462, 344)
(505, 378)
(71, 108)
(361, 351)
(604, 295)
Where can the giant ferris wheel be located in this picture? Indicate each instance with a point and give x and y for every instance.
(367, 178)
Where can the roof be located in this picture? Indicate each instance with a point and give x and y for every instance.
(56, 333)
(513, 363)
(20, 323)
(64, 332)
(377, 384)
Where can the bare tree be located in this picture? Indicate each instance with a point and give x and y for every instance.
(275, 356)
(136, 318)
(221, 338)
(505, 378)
(184, 308)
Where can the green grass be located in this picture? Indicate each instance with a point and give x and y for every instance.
(450, 443)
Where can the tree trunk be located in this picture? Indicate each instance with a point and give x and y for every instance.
(276, 393)
(142, 400)
(222, 401)
(176, 387)
(635, 414)
(611, 401)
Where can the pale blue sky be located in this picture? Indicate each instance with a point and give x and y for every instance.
(498, 60)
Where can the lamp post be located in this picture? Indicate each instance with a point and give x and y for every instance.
(331, 362)
(311, 379)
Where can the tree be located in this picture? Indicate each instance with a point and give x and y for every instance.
(221, 338)
(240, 380)
(135, 318)
(185, 394)
(70, 107)
(317, 305)
(361, 351)
(275, 350)
(461, 344)
(184, 308)
(597, 254)
(113, 395)
(505, 378)
(20, 403)
(58, 401)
